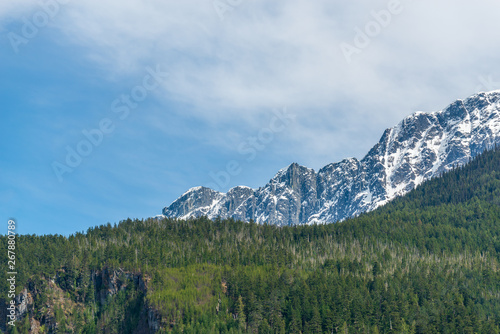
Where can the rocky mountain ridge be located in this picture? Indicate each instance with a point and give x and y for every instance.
(421, 146)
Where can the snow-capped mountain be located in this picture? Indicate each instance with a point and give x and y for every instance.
(420, 147)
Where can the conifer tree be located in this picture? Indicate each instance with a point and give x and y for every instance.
(240, 311)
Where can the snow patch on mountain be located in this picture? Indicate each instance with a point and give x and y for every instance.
(421, 146)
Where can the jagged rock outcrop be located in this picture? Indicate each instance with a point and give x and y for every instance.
(420, 147)
(105, 283)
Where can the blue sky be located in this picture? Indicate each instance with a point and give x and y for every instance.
(337, 73)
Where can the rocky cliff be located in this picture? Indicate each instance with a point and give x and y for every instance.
(421, 146)
(50, 305)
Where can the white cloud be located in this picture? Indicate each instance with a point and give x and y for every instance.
(287, 53)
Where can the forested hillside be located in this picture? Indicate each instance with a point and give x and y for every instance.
(425, 263)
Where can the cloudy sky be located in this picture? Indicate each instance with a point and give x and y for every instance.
(112, 109)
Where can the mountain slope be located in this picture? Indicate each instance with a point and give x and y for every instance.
(427, 262)
(420, 147)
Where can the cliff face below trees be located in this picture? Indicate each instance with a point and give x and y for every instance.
(111, 296)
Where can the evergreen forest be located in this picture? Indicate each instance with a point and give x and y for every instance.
(424, 263)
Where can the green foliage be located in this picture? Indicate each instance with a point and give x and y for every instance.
(183, 295)
(424, 263)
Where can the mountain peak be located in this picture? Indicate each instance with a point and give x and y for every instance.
(421, 146)
(292, 166)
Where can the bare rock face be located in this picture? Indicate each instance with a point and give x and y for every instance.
(105, 283)
(421, 146)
